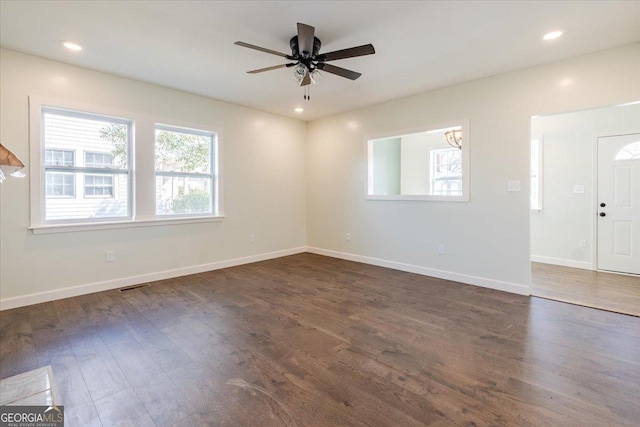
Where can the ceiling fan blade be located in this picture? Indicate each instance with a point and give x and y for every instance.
(306, 80)
(342, 72)
(305, 38)
(262, 70)
(262, 49)
(351, 52)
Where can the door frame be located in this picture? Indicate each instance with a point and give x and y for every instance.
(594, 195)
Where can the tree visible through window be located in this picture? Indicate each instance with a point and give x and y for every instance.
(184, 175)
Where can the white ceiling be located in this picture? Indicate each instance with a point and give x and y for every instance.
(188, 45)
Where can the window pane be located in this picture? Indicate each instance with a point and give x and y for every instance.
(73, 131)
(98, 160)
(180, 151)
(105, 196)
(628, 152)
(58, 158)
(176, 195)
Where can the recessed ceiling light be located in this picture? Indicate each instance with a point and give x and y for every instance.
(72, 46)
(552, 35)
(298, 109)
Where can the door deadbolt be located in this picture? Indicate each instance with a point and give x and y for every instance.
(602, 205)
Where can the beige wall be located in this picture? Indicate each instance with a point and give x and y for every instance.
(264, 185)
(487, 238)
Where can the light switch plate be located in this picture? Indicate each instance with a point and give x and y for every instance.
(578, 189)
(513, 185)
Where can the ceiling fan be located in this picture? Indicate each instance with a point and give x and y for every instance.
(307, 59)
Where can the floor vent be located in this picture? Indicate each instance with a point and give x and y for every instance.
(130, 288)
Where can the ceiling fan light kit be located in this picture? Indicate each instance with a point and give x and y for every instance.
(307, 59)
(454, 138)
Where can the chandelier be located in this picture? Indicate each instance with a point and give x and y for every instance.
(454, 138)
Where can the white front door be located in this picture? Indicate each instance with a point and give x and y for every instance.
(619, 203)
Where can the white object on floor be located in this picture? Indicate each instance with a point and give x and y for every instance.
(29, 388)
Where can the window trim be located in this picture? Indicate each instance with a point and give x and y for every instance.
(142, 208)
(463, 123)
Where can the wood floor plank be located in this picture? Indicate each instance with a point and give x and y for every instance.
(100, 371)
(163, 400)
(123, 409)
(17, 351)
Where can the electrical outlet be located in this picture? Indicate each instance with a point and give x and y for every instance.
(110, 256)
(578, 189)
(441, 249)
(252, 238)
(513, 186)
(582, 243)
(348, 236)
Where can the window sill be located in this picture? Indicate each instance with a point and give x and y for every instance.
(110, 225)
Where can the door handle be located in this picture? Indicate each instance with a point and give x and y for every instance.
(603, 214)
(602, 205)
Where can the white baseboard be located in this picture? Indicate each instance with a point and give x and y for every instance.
(106, 285)
(563, 262)
(426, 271)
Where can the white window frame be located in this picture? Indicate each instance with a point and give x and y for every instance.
(212, 175)
(536, 206)
(141, 158)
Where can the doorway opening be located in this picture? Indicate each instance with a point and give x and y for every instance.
(585, 208)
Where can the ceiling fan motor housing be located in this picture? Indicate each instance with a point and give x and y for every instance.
(293, 43)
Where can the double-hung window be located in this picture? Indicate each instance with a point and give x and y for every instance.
(89, 151)
(185, 171)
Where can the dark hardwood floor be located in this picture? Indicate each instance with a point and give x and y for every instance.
(308, 340)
